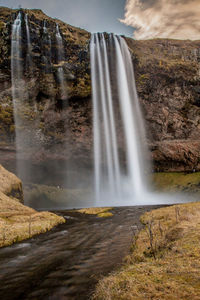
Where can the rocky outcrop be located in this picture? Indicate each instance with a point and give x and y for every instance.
(168, 81)
(10, 185)
(17, 221)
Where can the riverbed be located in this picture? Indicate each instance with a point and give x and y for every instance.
(67, 262)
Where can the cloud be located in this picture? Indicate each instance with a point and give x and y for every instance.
(177, 19)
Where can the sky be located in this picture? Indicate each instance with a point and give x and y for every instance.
(177, 19)
(140, 19)
(92, 15)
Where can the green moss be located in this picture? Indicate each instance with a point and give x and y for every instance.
(2, 25)
(177, 181)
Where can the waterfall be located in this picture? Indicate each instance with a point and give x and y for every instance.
(29, 59)
(25, 112)
(18, 85)
(47, 48)
(60, 58)
(111, 63)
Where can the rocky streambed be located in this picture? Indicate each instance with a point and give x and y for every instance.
(67, 262)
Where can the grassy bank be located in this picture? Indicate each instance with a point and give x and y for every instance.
(165, 259)
(19, 222)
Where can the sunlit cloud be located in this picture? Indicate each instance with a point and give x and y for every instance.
(177, 19)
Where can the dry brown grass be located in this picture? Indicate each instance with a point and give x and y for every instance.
(99, 211)
(9, 182)
(170, 268)
(19, 222)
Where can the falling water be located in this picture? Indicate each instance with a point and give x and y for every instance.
(23, 106)
(60, 58)
(29, 59)
(16, 73)
(109, 168)
(47, 48)
(45, 27)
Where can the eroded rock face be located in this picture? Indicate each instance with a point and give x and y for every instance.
(168, 81)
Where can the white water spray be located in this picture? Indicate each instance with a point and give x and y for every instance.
(118, 179)
(18, 93)
(109, 170)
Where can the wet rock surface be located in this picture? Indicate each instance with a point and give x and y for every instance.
(67, 262)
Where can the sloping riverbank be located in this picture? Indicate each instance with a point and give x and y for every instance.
(164, 263)
(17, 221)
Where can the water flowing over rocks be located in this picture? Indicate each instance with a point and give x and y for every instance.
(168, 83)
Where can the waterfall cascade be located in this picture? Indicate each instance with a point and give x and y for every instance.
(29, 59)
(47, 48)
(60, 58)
(119, 135)
(113, 103)
(27, 120)
(17, 81)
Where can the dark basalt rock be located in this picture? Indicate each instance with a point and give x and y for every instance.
(168, 83)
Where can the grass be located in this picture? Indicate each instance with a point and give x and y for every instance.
(19, 222)
(9, 183)
(164, 264)
(177, 182)
(102, 212)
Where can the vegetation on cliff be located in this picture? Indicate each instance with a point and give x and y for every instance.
(177, 182)
(164, 260)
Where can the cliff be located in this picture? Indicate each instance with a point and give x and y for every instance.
(168, 82)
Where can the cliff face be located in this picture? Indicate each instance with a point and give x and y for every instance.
(168, 81)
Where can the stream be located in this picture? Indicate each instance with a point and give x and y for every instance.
(66, 262)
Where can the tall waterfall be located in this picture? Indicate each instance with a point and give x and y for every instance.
(17, 79)
(115, 101)
(60, 58)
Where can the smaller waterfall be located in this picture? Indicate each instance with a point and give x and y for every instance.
(45, 27)
(23, 106)
(29, 58)
(47, 48)
(112, 104)
(16, 54)
(60, 58)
